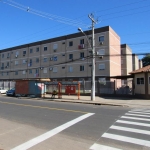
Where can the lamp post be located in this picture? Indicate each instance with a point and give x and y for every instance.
(93, 61)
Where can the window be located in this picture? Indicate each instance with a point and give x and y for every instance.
(70, 56)
(24, 53)
(23, 72)
(37, 49)
(71, 43)
(82, 41)
(63, 67)
(31, 50)
(2, 55)
(7, 55)
(45, 59)
(70, 69)
(7, 73)
(101, 52)
(36, 70)
(37, 60)
(82, 55)
(54, 69)
(30, 63)
(2, 73)
(55, 58)
(30, 71)
(17, 53)
(16, 62)
(45, 70)
(45, 48)
(101, 66)
(24, 61)
(16, 72)
(82, 68)
(101, 38)
(140, 80)
(55, 46)
(7, 64)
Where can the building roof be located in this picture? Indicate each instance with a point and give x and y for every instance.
(144, 69)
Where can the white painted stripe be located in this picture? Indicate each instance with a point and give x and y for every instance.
(139, 113)
(102, 147)
(126, 139)
(135, 118)
(50, 133)
(134, 123)
(130, 130)
(136, 115)
(142, 111)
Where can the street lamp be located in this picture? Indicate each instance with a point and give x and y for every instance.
(93, 63)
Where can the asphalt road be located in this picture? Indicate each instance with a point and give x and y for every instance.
(48, 125)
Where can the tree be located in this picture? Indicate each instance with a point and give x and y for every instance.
(146, 60)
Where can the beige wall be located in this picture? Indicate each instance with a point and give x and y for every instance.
(114, 49)
(149, 83)
(111, 45)
(139, 88)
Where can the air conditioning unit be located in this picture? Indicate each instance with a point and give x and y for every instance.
(101, 43)
(55, 50)
(6, 66)
(51, 58)
(16, 56)
(51, 68)
(24, 54)
(100, 57)
(7, 56)
(82, 58)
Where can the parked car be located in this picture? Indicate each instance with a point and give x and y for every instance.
(11, 92)
(3, 91)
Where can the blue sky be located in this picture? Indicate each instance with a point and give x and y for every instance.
(129, 18)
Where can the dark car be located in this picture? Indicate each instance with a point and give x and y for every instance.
(11, 92)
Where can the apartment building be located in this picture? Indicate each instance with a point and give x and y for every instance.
(64, 58)
(129, 61)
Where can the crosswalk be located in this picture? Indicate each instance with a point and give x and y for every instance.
(131, 131)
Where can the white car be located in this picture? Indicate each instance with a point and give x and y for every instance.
(3, 91)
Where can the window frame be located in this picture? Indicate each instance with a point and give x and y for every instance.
(70, 43)
(81, 67)
(103, 38)
(45, 48)
(140, 81)
(70, 56)
(31, 50)
(102, 64)
(81, 53)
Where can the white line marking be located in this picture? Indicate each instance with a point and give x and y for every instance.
(102, 147)
(136, 118)
(136, 115)
(50, 133)
(134, 123)
(142, 111)
(127, 139)
(139, 112)
(130, 130)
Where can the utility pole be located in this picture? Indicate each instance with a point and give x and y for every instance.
(91, 16)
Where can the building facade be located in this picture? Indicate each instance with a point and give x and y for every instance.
(64, 58)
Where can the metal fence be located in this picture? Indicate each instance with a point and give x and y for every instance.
(7, 84)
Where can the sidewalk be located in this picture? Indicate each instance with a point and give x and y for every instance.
(124, 102)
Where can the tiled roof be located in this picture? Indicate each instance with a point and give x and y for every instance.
(144, 69)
